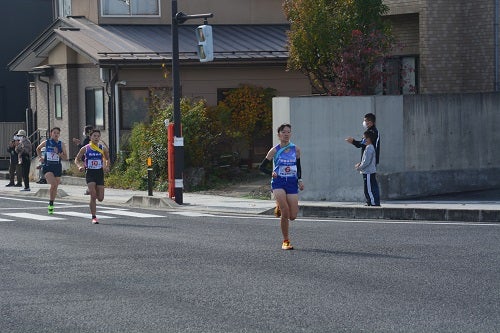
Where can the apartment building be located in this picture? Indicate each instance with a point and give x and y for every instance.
(454, 43)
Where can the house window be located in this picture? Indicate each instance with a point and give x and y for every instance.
(63, 8)
(401, 76)
(58, 101)
(94, 107)
(222, 93)
(134, 107)
(130, 7)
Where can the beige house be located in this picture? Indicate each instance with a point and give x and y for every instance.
(97, 62)
(97, 65)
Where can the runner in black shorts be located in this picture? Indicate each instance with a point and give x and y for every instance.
(95, 176)
(95, 162)
(55, 152)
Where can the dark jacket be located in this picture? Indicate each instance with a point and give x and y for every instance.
(24, 147)
(13, 154)
(376, 144)
(85, 142)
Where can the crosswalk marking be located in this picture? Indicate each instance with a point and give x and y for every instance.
(129, 213)
(84, 215)
(108, 213)
(191, 214)
(33, 200)
(34, 216)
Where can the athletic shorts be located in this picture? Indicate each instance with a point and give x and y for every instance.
(95, 176)
(56, 169)
(289, 184)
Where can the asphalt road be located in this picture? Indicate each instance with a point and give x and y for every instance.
(168, 271)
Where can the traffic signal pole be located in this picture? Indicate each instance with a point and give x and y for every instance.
(178, 18)
(178, 140)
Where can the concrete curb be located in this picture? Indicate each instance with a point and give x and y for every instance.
(403, 213)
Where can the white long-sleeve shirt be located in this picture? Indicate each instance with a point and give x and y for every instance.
(368, 163)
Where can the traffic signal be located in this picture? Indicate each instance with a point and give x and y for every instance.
(205, 43)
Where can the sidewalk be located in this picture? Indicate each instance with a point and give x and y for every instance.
(481, 206)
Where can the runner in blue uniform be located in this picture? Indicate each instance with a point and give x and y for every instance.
(95, 162)
(286, 179)
(55, 152)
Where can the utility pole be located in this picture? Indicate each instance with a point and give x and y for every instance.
(178, 18)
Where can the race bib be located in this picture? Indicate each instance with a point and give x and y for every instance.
(94, 164)
(53, 157)
(287, 170)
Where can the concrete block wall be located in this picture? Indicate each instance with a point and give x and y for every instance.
(458, 131)
(430, 144)
(320, 126)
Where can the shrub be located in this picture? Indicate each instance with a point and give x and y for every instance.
(209, 136)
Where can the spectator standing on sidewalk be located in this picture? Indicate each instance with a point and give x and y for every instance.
(368, 168)
(286, 179)
(55, 152)
(23, 150)
(95, 163)
(369, 125)
(86, 137)
(15, 170)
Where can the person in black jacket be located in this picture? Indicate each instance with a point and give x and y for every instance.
(86, 140)
(369, 125)
(14, 167)
(23, 149)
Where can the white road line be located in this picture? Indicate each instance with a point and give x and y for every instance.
(84, 215)
(6, 220)
(44, 207)
(33, 200)
(129, 213)
(34, 216)
(192, 214)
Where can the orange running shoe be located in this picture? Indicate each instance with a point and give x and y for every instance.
(286, 245)
(277, 211)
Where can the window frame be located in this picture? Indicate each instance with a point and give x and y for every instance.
(58, 112)
(62, 8)
(91, 107)
(102, 4)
